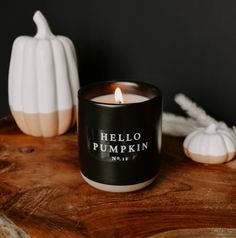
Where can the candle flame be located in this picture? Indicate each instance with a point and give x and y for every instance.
(118, 96)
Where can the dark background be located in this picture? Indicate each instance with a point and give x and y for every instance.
(180, 46)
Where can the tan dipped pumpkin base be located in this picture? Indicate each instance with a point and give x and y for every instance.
(206, 159)
(46, 124)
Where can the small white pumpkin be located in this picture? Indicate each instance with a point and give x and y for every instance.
(43, 82)
(210, 145)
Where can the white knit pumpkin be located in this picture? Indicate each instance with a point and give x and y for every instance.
(210, 145)
(43, 82)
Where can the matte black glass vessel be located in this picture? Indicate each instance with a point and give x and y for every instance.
(119, 143)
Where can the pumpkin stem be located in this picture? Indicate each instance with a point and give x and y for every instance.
(211, 128)
(43, 29)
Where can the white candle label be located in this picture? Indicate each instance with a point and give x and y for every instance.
(117, 146)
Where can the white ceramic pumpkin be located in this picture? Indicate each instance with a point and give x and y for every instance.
(210, 145)
(43, 82)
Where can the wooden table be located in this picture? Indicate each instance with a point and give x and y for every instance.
(43, 193)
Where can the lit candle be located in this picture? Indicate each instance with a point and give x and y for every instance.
(119, 135)
(118, 97)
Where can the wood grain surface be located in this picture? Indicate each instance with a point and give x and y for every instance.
(43, 193)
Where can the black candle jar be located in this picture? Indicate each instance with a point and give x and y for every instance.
(119, 144)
